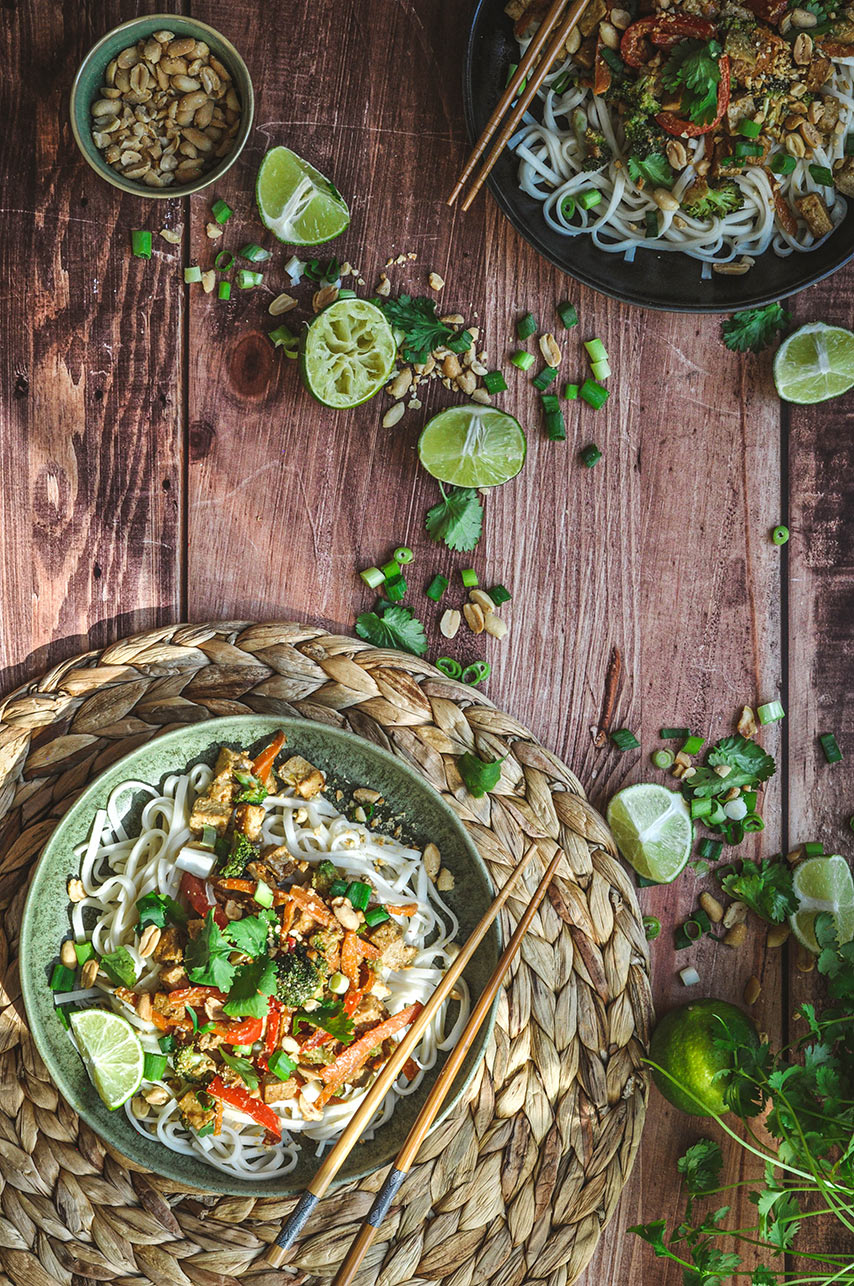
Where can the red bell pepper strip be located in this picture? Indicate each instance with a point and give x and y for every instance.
(664, 31)
(834, 48)
(194, 894)
(262, 765)
(192, 995)
(242, 1033)
(770, 11)
(248, 886)
(350, 1062)
(238, 1097)
(218, 1117)
(674, 124)
(162, 1023)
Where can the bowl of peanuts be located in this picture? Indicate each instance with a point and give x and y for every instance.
(162, 106)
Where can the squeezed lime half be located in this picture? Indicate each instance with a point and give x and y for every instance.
(348, 353)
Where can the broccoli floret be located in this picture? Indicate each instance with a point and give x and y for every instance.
(242, 851)
(714, 202)
(599, 150)
(639, 97)
(734, 17)
(298, 979)
(644, 136)
(323, 877)
(193, 1064)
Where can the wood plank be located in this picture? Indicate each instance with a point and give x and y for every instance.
(90, 452)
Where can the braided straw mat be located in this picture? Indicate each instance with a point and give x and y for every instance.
(517, 1186)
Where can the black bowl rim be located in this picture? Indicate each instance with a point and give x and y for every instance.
(591, 279)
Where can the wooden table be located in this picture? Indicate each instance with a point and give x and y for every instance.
(160, 461)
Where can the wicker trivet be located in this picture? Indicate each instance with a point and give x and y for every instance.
(519, 1184)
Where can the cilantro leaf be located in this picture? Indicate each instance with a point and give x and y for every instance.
(701, 1166)
(253, 984)
(653, 1235)
(243, 1067)
(694, 68)
(748, 764)
(754, 328)
(329, 1016)
(119, 966)
(479, 776)
(249, 935)
(457, 518)
(157, 908)
(764, 1277)
(654, 169)
(397, 627)
(767, 888)
(206, 957)
(422, 330)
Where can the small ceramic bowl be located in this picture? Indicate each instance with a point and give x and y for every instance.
(89, 82)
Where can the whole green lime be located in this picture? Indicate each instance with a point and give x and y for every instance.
(684, 1045)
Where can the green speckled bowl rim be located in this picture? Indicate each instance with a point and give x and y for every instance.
(86, 83)
(46, 921)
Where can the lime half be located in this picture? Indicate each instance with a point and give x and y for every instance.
(472, 446)
(296, 202)
(349, 351)
(112, 1053)
(815, 363)
(823, 884)
(653, 829)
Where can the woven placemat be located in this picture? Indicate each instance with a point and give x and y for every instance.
(515, 1187)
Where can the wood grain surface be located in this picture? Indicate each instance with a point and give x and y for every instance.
(159, 459)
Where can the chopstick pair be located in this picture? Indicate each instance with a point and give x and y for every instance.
(526, 71)
(277, 1255)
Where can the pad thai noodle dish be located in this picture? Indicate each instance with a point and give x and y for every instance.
(261, 951)
(708, 126)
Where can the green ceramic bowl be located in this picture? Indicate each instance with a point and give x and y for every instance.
(90, 79)
(46, 922)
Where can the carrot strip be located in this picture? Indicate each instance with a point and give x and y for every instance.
(308, 899)
(162, 1023)
(351, 957)
(218, 1116)
(409, 908)
(262, 765)
(350, 1062)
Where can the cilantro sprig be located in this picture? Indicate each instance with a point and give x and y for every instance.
(748, 765)
(457, 518)
(755, 328)
(694, 68)
(766, 887)
(329, 1016)
(422, 330)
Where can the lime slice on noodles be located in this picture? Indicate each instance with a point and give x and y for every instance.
(814, 364)
(472, 446)
(296, 202)
(653, 829)
(823, 884)
(112, 1053)
(348, 353)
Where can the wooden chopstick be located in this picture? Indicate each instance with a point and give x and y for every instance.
(535, 80)
(407, 1154)
(277, 1255)
(525, 66)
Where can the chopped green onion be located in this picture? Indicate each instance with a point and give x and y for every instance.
(333, 271)
(526, 326)
(662, 758)
(568, 315)
(263, 894)
(449, 667)
(140, 243)
(750, 129)
(524, 361)
(550, 403)
(780, 535)
(494, 382)
(814, 848)
(700, 869)
(84, 951)
(822, 175)
(153, 1067)
(545, 378)
(224, 261)
(281, 1065)
(555, 426)
(373, 577)
(254, 253)
(284, 338)
(593, 394)
(499, 595)
(830, 746)
(562, 84)
(338, 889)
(752, 822)
(346, 293)
(403, 554)
(782, 163)
(651, 223)
(625, 739)
(567, 207)
(242, 1051)
(717, 817)
(511, 72)
(61, 979)
(62, 1012)
(596, 350)
(693, 745)
(749, 797)
(701, 808)
(376, 915)
(674, 734)
(204, 1130)
(437, 587)
(313, 270)
(469, 578)
(747, 149)
(710, 848)
(570, 392)
(651, 927)
(476, 673)
(224, 291)
(591, 455)
(192, 275)
(771, 712)
(358, 894)
(246, 279)
(395, 589)
(601, 370)
(221, 212)
(391, 569)
(588, 198)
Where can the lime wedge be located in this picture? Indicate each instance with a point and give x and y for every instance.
(823, 884)
(815, 363)
(111, 1051)
(472, 446)
(296, 202)
(348, 353)
(653, 829)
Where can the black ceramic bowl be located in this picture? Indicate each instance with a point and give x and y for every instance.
(670, 281)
